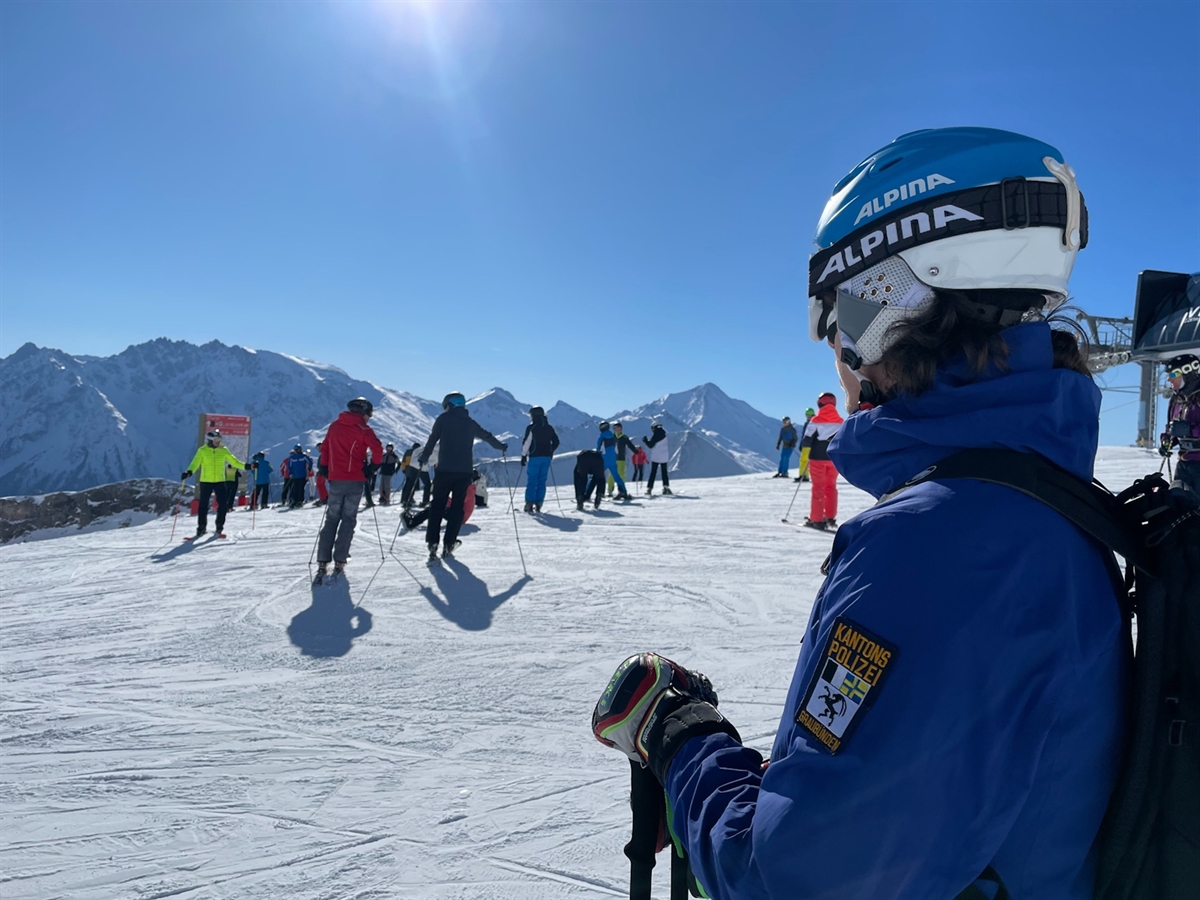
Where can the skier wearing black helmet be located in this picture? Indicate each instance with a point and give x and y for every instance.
(956, 719)
(537, 452)
(343, 462)
(453, 436)
(1183, 421)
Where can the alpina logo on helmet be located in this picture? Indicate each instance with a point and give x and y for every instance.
(904, 192)
(1012, 204)
(905, 229)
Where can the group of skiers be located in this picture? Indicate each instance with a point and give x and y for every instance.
(820, 425)
(959, 712)
(593, 468)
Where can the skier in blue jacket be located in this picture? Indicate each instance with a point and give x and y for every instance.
(956, 712)
(606, 444)
(262, 480)
(299, 468)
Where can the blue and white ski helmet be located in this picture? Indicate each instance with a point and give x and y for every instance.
(950, 208)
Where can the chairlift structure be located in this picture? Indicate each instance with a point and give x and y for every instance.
(1165, 324)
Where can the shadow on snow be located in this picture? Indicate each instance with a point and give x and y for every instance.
(468, 603)
(329, 626)
(562, 523)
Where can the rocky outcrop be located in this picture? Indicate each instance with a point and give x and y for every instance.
(20, 516)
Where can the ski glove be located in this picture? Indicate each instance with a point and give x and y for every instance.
(523, 459)
(323, 471)
(504, 448)
(652, 707)
(186, 475)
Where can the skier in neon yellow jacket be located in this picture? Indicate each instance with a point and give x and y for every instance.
(209, 466)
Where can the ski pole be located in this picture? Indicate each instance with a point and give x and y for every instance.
(554, 481)
(379, 537)
(399, 522)
(512, 501)
(512, 506)
(178, 503)
(313, 555)
(790, 505)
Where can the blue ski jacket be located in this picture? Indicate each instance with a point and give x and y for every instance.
(958, 699)
(262, 471)
(298, 465)
(607, 444)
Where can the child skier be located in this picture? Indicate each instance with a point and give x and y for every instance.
(639, 460)
(262, 480)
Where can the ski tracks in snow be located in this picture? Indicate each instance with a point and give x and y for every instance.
(203, 723)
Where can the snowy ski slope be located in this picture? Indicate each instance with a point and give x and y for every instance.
(183, 721)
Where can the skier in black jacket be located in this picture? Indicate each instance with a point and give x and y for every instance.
(389, 464)
(589, 476)
(454, 433)
(537, 452)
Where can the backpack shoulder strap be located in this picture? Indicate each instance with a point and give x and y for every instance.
(1089, 506)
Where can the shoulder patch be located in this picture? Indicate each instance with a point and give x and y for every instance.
(849, 676)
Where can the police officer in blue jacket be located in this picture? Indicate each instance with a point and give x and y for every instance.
(955, 716)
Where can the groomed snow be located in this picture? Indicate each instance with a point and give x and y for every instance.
(182, 721)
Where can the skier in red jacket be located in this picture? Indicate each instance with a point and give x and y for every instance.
(343, 463)
(817, 435)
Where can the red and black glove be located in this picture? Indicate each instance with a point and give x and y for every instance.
(652, 707)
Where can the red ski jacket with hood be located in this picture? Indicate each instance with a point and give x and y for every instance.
(821, 429)
(344, 450)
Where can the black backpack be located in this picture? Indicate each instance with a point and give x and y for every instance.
(1150, 839)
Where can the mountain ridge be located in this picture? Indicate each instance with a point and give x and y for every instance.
(71, 422)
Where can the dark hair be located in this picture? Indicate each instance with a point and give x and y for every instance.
(967, 322)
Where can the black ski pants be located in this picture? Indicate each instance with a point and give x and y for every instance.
(262, 493)
(207, 490)
(589, 477)
(450, 486)
(297, 491)
(654, 467)
(412, 477)
(639, 472)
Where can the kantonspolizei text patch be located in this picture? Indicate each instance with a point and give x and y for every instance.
(849, 675)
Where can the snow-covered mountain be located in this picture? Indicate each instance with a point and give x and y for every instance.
(72, 422)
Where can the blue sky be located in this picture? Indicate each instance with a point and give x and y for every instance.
(599, 202)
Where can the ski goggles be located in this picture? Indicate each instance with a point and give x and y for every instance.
(862, 309)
